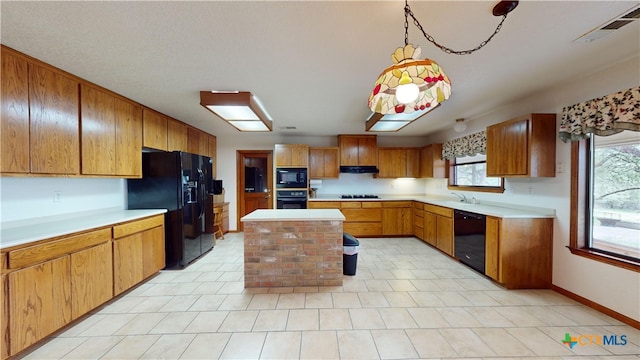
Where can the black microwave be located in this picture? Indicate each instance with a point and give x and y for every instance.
(291, 178)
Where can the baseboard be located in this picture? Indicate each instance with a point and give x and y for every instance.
(603, 309)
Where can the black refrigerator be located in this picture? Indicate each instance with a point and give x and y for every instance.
(179, 182)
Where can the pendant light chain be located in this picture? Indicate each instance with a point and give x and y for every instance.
(408, 12)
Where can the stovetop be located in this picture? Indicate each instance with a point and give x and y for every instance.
(360, 196)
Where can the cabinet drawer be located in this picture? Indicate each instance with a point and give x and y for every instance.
(324, 205)
(371, 204)
(351, 204)
(38, 253)
(363, 228)
(418, 205)
(137, 226)
(352, 215)
(443, 211)
(397, 204)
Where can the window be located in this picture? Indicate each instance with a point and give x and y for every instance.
(605, 199)
(470, 173)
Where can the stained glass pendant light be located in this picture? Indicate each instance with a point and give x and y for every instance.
(412, 84)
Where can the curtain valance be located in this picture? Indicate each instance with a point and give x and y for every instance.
(602, 116)
(469, 145)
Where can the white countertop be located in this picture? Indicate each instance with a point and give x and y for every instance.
(294, 215)
(501, 210)
(29, 230)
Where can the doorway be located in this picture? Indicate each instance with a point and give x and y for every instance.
(255, 181)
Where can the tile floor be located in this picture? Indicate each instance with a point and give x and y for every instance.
(407, 301)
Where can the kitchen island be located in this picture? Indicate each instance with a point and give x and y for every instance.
(293, 247)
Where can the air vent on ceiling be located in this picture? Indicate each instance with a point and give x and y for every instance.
(612, 25)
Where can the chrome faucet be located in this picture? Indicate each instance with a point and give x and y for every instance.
(461, 196)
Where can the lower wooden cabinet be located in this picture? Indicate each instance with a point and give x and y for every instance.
(127, 265)
(397, 218)
(4, 318)
(418, 220)
(362, 218)
(438, 227)
(91, 279)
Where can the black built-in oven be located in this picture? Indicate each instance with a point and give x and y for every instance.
(291, 199)
(291, 178)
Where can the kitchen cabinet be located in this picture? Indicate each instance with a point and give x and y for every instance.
(213, 155)
(111, 130)
(431, 163)
(522, 147)
(4, 317)
(14, 122)
(418, 220)
(362, 218)
(135, 244)
(198, 141)
(177, 135)
(154, 130)
(398, 162)
(296, 155)
(518, 252)
(397, 218)
(54, 131)
(438, 227)
(91, 278)
(209, 228)
(358, 150)
(323, 163)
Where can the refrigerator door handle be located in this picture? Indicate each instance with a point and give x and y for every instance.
(202, 192)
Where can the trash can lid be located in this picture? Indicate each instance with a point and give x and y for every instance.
(349, 240)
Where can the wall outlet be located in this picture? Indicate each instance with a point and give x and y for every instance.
(57, 196)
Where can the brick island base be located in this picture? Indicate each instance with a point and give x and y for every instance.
(289, 247)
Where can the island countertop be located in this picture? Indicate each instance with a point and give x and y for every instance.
(293, 215)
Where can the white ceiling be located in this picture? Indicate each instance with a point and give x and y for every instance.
(313, 63)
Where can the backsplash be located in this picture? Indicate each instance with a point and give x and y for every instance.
(367, 184)
(32, 197)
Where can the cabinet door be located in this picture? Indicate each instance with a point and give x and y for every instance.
(368, 151)
(39, 302)
(14, 122)
(397, 221)
(492, 249)
(430, 224)
(348, 150)
(91, 279)
(413, 163)
(4, 318)
(127, 262)
(331, 167)
(98, 131)
(154, 130)
(431, 163)
(392, 162)
(444, 234)
(507, 148)
(323, 163)
(128, 138)
(292, 155)
(194, 140)
(55, 125)
(177, 137)
(153, 251)
(316, 163)
(213, 153)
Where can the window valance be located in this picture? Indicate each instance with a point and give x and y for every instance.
(469, 145)
(602, 116)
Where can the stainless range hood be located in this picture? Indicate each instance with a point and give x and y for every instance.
(359, 169)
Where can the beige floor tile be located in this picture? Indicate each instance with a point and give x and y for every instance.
(356, 344)
(122, 305)
(236, 302)
(174, 323)
(303, 319)
(466, 343)
(282, 345)
(93, 348)
(208, 303)
(502, 343)
(158, 289)
(335, 319)
(206, 322)
(519, 316)
(426, 298)
(206, 346)
(354, 285)
(141, 324)
(539, 342)
(180, 303)
(207, 288)
(239, 321)
(152, 304)
(487, 316)
(452, 298)
(169, 346)
(291, 301)
(378, 285)
(131, 347)
(318, 300)
(319, 345)
(381, 273)
(425, 285)
(585, 316)
(244, 346)
(271, 320)
(366, 319)
(402, 285)
(82, 326)
(399, 299)
(479, 298)
(263, 301)
(397, 318)
(55, 348)
(430, 344)
(373, 299)
(393, 344)
(346, 300)
(232, 287)
(428, 318)
(108, 325)
(458, 317)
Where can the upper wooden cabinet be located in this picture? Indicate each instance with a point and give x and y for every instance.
(14, 115)
(111, 130)
(358, 150)
(154, 129)
(398, 162)
(198, 141)
(54, 122)
(323, 162)
(431, 163)
(522, 147)
(177, 136)
(213, 153)
(292, 155)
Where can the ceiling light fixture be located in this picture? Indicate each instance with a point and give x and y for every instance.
(240, 109)
(412, 85)
(459, 126)
(393, 122)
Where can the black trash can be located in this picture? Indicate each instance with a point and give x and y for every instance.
(351, 247)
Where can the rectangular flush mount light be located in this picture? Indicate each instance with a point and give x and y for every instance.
(240, 109)
(393, 122)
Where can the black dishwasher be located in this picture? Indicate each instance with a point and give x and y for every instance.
(469, 238)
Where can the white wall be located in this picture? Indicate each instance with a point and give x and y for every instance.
(31, 197)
